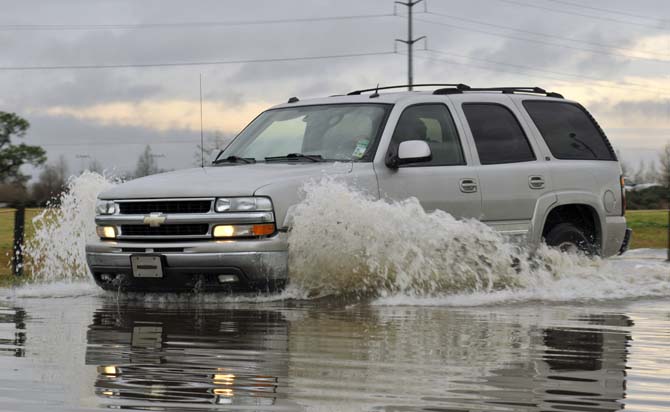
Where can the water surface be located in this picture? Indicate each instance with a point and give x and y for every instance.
(85, 350)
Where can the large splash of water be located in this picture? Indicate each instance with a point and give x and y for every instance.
(345, 242)
(56, 251)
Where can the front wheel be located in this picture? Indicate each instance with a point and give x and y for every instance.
(568, 238)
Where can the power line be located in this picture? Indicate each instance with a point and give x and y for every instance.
(574, 13)
(476, 66)
(200, 63)
(537, 41)
(115, 143)
(612, 11)
(201, 24)
(551, 36)
(516, 71)
(559, 73)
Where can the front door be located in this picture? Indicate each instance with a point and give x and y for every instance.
(446, 182)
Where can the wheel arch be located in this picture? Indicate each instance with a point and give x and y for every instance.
(582, 214)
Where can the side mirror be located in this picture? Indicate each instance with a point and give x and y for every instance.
(413, 151)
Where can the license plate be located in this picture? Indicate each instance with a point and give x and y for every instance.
(147, 266)
(147, 337)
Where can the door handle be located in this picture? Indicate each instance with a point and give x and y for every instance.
(536, 182)
(468, 186)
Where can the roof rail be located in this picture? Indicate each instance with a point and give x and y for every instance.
(512, 90)
(459, 86)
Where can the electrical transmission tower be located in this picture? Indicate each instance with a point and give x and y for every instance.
(410, 41)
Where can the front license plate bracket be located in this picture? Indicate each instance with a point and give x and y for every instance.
(147, 266)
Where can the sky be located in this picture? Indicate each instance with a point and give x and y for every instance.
(613, 56)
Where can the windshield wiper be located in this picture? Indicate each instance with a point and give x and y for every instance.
(234, 159)
(295, 156)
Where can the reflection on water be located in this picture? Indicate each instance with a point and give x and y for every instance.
(577, 369)
(188, 356)
(360, 357)
(12, 332)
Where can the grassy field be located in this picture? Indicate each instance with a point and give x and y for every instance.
(7, 239)
(649, 231)
(650, 228)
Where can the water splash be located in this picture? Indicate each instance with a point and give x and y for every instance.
(56, 251)
(344, 242)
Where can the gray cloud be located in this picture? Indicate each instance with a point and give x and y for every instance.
(31, 91)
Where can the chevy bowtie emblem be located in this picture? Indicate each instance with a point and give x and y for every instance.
(155, 219)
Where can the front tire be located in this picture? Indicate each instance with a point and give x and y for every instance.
(568, 238)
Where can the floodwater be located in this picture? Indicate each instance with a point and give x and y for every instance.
(67, 346)
(389, 308)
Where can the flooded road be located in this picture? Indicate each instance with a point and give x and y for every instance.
(70, 347)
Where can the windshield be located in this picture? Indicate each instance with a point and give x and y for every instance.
(343, 132)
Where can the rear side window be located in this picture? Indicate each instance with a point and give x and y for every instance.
(497, 133)
(569, 131)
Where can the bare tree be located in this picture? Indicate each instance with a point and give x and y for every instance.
(651, 175)
(95, 166)
(13, 193)
(625, 169)
(146, 164)
(213, 145)
(51, 182)
(664, 160)
(640, 173)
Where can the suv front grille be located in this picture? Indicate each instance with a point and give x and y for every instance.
(192, 229)
(165, 206)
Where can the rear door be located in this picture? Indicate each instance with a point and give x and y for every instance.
(512, 173)
(447, 182)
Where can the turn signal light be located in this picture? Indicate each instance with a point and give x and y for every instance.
(264, 229)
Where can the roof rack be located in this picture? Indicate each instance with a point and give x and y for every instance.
(402, 86)
(512, 90)
(458, 88)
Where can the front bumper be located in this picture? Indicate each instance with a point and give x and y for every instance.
(193, 265)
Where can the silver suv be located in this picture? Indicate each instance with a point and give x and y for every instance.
(525, 161)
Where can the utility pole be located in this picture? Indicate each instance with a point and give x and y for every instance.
(410, 41)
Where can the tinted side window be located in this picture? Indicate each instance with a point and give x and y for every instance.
(433, 124)
(569, 131)
(497, 133)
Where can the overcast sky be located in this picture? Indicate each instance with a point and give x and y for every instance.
(611, 55)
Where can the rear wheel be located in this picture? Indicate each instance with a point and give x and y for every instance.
(568, 238)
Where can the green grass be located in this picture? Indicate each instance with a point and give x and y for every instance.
(7, 240)
(650, 228)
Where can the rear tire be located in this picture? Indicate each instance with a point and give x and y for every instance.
(568, 238)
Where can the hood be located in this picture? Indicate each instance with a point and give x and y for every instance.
(227, 180)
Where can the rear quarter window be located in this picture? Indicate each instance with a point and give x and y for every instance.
(569, 130)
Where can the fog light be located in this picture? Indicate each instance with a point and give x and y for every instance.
(224, 231)
(227, 279)
(229, 231)
(106, 232)
(108, 370)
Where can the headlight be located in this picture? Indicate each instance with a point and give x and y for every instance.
(105, 207)
(242, 204)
